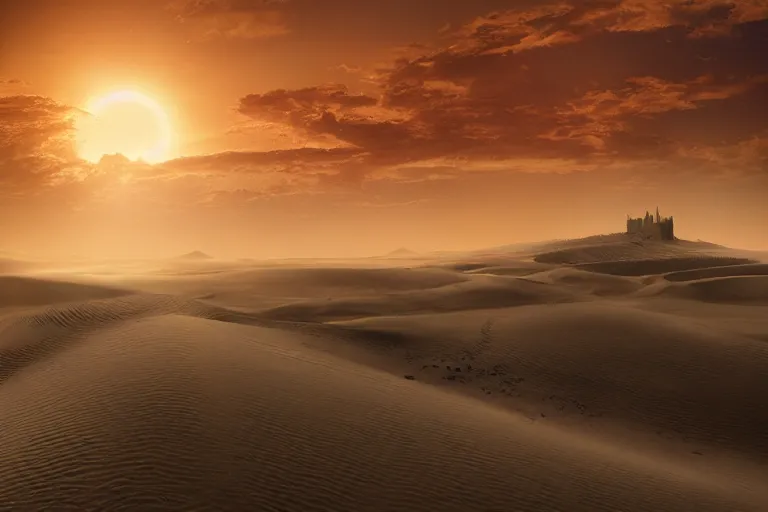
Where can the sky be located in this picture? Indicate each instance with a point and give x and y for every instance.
(327, 128)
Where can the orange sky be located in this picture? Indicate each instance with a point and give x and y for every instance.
(348, 128)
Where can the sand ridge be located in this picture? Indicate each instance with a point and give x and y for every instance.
(17, 291)
(476, 382)
(651, 371)
(272, 423)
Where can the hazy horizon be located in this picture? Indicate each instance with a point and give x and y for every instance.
(349, 129)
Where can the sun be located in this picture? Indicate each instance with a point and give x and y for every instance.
(125, 122)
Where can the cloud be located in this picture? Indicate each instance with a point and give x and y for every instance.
(749, 156)
(294, 161)
(232, 19)
(567, 22)
(431, 118)
(37, 153)
(330, 110)
(281, 105)
(427, 119)
(599, 117)
(563, 87)
(35, 141)
(700, 18)
(346, 68)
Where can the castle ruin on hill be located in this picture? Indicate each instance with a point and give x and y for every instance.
(656, 228)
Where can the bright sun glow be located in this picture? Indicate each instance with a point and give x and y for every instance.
(125, 122)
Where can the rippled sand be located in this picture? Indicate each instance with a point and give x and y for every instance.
(633, 378)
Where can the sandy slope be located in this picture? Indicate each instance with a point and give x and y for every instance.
(732, 289)
(647, 370)
(476, 293)
(24, 291)
(756, 269)
(245, 386)
(173, 411)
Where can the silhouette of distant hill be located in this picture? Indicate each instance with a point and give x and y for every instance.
(195, 256)
(402, 252)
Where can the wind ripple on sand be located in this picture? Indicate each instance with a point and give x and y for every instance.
(17, 291)
(478, 292)
(738, 289)
(645, 370)
(177, 413)
(27, 337)
(603, 285)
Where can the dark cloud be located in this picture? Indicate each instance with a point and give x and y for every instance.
(514, 31)
(445, 119)
(559, 87)
(285, 161)
(310, 102)
(585, 82)
(330, 110)
(622, 120)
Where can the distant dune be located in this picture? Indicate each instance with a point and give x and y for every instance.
(600, 374)
(660, 266)
(588, 282)
(194, 256)
(625, 250)
(478, 293)
(402, 252)
(757, 269)
(24, 291)
(728, 289)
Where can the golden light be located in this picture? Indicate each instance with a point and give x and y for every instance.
(125, 122)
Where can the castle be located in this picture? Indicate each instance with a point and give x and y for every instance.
(658, 228)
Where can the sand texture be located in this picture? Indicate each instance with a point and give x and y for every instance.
(602, 374)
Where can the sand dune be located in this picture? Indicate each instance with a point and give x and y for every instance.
(314, 282)
(174, 418)
(627, 379)
(308, 282)
(623, 248)
(24, 291)
(731, 289)
(660, 266)
(756, 269)
(649, 370)
(253, 286)
(588, 282)
(496, 266)
(27, 337)
(478, 293)
(610, 252)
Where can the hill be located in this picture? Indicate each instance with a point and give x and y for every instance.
(194, 256)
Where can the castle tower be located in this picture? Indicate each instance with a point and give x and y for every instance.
(652, 226)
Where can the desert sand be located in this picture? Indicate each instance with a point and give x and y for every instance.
(600, 374)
